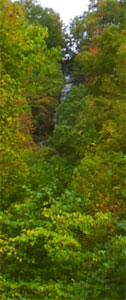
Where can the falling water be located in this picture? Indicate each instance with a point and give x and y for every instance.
(67, 87)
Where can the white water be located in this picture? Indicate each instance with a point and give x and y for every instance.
(64, 92)
(67, 87)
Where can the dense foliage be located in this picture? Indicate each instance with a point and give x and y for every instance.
(62, 200)
(48, 18)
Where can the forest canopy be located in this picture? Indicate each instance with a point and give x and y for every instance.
(63, 164)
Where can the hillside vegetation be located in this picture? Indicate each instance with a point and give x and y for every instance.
(63, 185)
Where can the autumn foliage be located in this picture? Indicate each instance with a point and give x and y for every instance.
(63, 187)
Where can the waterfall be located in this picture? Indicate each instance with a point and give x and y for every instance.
(67, 87)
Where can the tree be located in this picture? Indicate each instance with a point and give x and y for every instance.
(95, 67)
(102, 14)
(47, 18)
